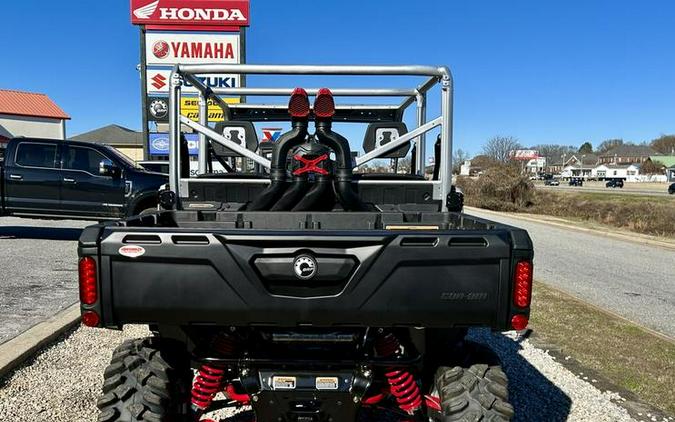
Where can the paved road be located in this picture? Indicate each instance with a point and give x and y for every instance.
(633, 280)
(38, 271)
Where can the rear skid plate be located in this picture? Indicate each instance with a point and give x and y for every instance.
(307, 396)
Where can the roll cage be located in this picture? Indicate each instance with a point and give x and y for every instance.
(365, 113)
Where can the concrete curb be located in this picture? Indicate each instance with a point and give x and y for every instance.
(17, 350)
(634, 238)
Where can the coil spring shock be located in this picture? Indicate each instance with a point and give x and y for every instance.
(402, 384)
(211, 376)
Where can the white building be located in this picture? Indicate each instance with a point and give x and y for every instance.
(31, 115)
(627, 172)
(535, 165)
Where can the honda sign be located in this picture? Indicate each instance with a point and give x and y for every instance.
(190, 12)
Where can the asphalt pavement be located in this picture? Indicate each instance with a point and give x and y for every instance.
(636, 281)
(38, 271)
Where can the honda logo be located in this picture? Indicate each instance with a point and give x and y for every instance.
(146, 11)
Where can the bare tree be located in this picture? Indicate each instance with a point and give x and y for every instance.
(554, 153)
(664, 144)
(609, 144)
(499, 147)
(458, 159)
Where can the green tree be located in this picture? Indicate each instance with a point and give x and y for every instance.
(586, 148)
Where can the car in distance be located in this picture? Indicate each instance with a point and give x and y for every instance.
(576, 182)
(551, 182)
(614, 183)
(671, 189)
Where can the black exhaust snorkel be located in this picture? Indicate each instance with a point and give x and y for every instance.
(324, 109)
(298, 108)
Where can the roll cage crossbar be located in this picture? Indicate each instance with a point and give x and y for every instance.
(277, 112)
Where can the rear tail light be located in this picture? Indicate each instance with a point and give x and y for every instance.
(90, 319)
(298, 105)
(324, 105)
(87, 276)
(522, 284)
(519, 322)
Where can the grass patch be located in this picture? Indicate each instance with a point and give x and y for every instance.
(503, 188)
(625, 354)
(641, 214)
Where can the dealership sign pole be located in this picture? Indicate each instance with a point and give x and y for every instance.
(185, 32)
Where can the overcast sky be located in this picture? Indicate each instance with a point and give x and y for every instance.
(542, 72)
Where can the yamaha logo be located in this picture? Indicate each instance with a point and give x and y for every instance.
(160, 49)
(305, 267)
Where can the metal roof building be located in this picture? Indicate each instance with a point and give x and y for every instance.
(30, 114)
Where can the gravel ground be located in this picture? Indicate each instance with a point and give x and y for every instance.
(63, 382)
(38, 259)
(632, 280)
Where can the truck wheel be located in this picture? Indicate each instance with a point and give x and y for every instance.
(472, 394)
(145, 382)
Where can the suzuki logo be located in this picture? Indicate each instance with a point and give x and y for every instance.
(158, 81)
(145, 11)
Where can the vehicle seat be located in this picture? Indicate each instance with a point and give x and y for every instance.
(381, 133)
(241, 132)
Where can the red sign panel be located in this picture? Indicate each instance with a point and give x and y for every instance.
(190, 12)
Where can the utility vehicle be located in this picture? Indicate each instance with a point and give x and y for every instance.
(300, 286)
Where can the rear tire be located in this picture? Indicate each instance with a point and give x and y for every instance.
(476, 393)
(145, 381)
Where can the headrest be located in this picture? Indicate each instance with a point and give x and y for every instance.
(241, 132)
(381, 133)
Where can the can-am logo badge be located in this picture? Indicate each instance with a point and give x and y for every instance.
(160, 49)
(160, 144)
(159, 109)
(188, 13)
(131, 251)
(305, 267)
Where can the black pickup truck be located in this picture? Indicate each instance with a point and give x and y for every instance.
(305, 291)
(50, 178)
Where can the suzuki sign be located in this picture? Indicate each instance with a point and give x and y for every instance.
(157, 81)
(190, 12)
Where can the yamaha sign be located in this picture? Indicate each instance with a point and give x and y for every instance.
(190, 12)
(162, 48)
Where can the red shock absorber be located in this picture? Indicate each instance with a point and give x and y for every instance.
(402, 384)
(210, 378)
(207, 384)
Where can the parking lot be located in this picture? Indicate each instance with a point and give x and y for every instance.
(39, 271)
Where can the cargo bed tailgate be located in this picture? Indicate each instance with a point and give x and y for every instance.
(374, 278)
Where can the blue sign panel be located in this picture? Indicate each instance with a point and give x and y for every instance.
(158, 144)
